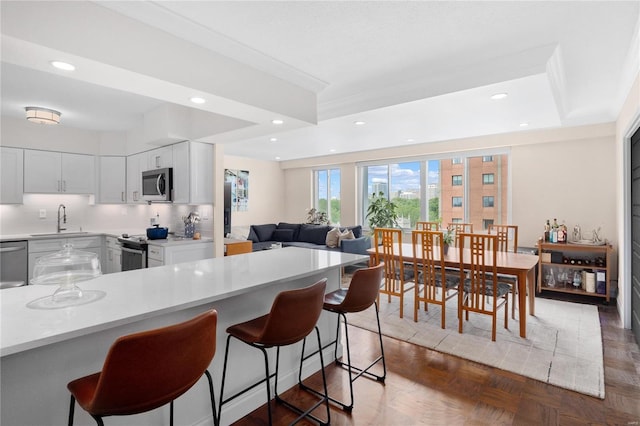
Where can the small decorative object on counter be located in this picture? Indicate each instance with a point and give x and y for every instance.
(190, 224)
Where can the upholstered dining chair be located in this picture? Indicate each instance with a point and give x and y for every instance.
(293, 316)
(480, 291)
(147, 370)
(427, 226)
(398, 277)
(430, 273)
(507, 242)
(460, 228)
(361, 294)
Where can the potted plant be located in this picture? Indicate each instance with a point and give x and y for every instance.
(447, 239)
(316, 217)
(382, 213)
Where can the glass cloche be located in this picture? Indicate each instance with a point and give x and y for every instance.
(65, 268)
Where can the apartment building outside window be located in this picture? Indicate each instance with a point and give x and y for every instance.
(327, 193)
(465, 189)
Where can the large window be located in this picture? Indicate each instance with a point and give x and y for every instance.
(399, 182)
(470, 189)
(327, 193)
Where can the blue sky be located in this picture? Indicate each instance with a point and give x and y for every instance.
(405, 176)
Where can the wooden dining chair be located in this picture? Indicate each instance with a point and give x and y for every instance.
(397, 275)
(460, 228)
(427, 226)
(481, 291)
(430, 273)
(507, 242)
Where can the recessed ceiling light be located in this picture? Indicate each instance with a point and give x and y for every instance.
(523, 124)
(277, 121)
(332, 150)
(63, 65)
(273, 140)
(277, 158)
(411, 140)
(359, 123)
(499, 96)
(197, 100)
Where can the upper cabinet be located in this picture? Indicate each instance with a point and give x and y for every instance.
(160, 158)
(48, 172)
(11, 180)
(112, 180)
(136, 164)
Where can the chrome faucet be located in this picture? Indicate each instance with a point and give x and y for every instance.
(64, 216)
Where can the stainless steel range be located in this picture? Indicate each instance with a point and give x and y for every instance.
(134, 252)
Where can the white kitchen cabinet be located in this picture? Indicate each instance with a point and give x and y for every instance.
(11, 175)
(39, 248)
(181, 173)
(185, 251)
(160, 158)
(113, 256)
(112, 180)
(50, 172)
(193, 173)
(136, 164)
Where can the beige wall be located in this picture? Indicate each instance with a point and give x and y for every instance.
(266, 192)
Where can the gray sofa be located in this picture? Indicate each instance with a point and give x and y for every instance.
(306, 235)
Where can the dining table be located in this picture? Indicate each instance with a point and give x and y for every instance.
(521, 265)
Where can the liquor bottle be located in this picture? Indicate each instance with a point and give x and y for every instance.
(554, 231)
(562, 234)
(547, 231)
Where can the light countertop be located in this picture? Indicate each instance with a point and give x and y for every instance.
(155, 291)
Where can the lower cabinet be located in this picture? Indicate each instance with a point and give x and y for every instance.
(169, 254)
(40, 248)
(113, 256)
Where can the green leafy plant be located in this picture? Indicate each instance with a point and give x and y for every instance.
(447, 236)
(382, 213)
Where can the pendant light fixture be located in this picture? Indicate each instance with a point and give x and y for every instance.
(42, 115)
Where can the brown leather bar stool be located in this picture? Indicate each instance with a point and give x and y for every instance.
(147, 370)
(360, 295)
(293, 317)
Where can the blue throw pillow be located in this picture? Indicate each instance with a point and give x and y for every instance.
(357, 230)
(283, 235)
(316, 234)
(295, 227)
(263, 232)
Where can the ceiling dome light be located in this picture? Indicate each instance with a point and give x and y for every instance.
(63, 65)
(499, 96)
(42, 115)
(197, 100)
(359, 123)
(277, 121)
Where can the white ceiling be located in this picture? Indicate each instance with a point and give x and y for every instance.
(413, 71)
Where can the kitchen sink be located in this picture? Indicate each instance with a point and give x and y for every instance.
(60, 234)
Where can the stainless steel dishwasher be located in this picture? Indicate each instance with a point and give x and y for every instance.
(14, 259)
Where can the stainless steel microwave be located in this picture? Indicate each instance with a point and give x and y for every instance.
(157, 185)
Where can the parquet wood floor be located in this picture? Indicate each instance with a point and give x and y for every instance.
(424, 387)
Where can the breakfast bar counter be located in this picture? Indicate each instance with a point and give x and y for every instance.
(43, 349)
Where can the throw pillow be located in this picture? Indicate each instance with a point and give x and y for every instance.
(333, 237)
(283, 235)
(314, 234)
(346, 235)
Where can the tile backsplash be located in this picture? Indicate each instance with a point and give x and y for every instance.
(39, 213)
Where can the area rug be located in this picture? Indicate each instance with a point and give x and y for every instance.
(563, 345)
